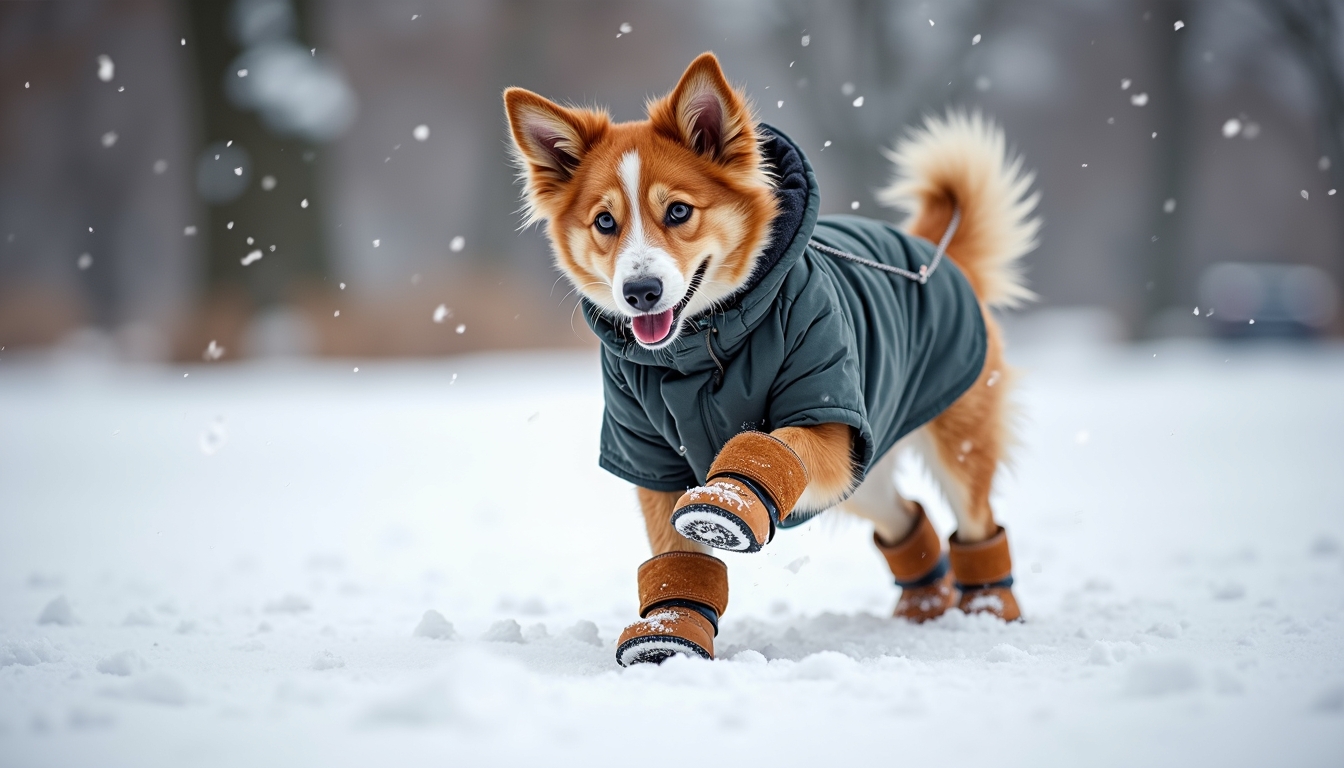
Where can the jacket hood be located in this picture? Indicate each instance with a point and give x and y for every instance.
(730, 325)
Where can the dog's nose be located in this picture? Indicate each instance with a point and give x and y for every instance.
(644, 293)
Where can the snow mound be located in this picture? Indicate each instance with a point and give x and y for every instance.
(28, 653)
(1007, 653)
(324, 660)
(585, 632)
(123, 664)
(506, 631)
(57, 611)
(434, 626)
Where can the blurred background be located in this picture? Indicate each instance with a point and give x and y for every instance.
(225, 179)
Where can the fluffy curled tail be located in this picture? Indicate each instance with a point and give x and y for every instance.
(962, 161)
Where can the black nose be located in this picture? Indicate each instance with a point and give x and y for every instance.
(643, 293)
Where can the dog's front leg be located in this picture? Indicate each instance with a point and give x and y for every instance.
(682, 591)
(758, 479)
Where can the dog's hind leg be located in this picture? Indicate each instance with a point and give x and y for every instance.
(963, 447)
(907, 540)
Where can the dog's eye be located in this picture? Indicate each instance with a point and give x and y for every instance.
(677, 213)
(605, 223)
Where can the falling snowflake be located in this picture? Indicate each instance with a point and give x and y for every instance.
(84, 261)
(779, 105)
(254, 256)
(854, 206)
(106, 69)
(1231, 128)
(461, 329)
(160, 166)
(1323, 164)
(376, 243)
(267, 183)
(1179, 25)
(1169, 206)
(109, 138)
(303, 203)
(625, 28)
(975, 40)
(457, 244)
(858, 102)
(1125, 83)
(1139, 99)
(1304, 194)
(441, 313)
(421, 132)
(847, 89)
(807, 40)
(238, 171)
(214, 437)
(189, 230)
(212, 352)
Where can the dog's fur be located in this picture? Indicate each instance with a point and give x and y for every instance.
(699, 147)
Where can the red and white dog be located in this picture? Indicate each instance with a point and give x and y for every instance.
(662, 222)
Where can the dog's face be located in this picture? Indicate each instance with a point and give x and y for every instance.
(654, 221)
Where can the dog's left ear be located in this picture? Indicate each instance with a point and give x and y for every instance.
(706, 114)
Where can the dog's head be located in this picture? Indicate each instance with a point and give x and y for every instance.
(656, 220)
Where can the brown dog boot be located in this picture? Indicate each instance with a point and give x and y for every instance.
(681, 596)
(921, 571)
(984, 574)
(753, 484)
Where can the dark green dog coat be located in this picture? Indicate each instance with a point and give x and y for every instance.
(810, 339)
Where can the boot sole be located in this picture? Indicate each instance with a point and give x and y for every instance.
(655, 649)
(715, 527)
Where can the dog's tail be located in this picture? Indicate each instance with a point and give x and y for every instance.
(962, 161)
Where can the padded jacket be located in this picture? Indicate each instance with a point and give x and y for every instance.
(810, 339)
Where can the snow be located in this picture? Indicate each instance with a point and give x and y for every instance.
(385, 569)
(58, 611)
(434, 626)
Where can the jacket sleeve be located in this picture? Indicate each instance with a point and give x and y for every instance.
(631, 448)
(820, 381)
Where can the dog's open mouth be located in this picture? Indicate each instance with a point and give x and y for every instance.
(653, 329)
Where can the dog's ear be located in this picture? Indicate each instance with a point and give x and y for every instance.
(706, 114)
(550, 142)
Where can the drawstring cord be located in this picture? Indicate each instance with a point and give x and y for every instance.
(925, 270)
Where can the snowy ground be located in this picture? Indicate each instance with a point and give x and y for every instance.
(231, 567)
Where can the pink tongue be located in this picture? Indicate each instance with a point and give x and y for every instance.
(652, 329)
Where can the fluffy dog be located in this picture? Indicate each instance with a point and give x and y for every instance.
(763, 364)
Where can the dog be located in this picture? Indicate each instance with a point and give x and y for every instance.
(762, 364)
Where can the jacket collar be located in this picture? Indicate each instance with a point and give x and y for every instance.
(727, 328)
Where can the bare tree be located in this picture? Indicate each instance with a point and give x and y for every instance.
(1311, 29)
